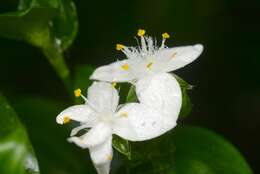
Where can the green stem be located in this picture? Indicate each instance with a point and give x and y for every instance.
(56, 59)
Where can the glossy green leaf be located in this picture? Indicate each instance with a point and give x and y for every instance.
(186, 102)
(122, 146)
(188, 150)
(16, 153)
(65, 25)
(50, 25)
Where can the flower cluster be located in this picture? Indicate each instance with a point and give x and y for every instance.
(147, 67)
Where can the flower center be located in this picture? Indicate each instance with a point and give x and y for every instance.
(125, 67)
(106, 117)
(149, 65)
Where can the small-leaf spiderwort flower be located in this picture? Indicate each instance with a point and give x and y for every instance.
(146, 60)
(102, 115)
(147, 67)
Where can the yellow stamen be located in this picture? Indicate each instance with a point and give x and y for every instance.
(174, 55)
(124, 114)
(77, 92)
(66, 119)
(165, 35)
(125, 67)
(114, 84)
(141, 32)
(109, 157)
(149, 65)
(119, 47)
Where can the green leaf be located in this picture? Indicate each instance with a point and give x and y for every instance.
(16, 153)
(50, 25)
(182, 82)
(186, 102)
(186, 107)
(30, 25)
(65, 25)
(55, 154)
(122, 146)
(131, 96)
(188, 150)
(211, 151)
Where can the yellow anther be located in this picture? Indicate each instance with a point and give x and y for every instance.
(109, 157)
(165, 35)
(119, 47)
(149, 65)
(173, 55)
(125, 67)
(114, 84)
(66, 119)
(140, 32)
(77, 92)
(124, 114)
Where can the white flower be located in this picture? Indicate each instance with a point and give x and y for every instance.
(147, 67)
(147, 59)
(103, 117)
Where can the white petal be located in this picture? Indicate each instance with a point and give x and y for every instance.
(94, 137)
(103, 96)
(103, 168)
(102, 155)
(80, 113)
(97, 135)
(175, 58)
(113, 72)
(75, 130)
(138, 122)
(78, 141)
(161, 92)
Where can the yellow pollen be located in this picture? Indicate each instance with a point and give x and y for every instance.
(141, 32)
(77, 92)
(165, 35)
(125, 67)
(119, 47)
(114, 84)
(174, 55)
(109, 157)
(124, 114)
(66, 120)
(149, 65)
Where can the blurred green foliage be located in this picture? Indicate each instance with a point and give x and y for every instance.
(51, 26)
(55, 154)
(16, 153)
(186, 150)
(186, 106)
(182, 151)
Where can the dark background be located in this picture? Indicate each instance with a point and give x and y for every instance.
(226, 96)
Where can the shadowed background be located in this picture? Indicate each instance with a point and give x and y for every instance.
(226, 96)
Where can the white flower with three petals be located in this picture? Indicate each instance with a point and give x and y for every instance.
(146, 60)
(147, 67)
(102, 115)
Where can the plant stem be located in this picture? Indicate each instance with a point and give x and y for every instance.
(56, 59)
